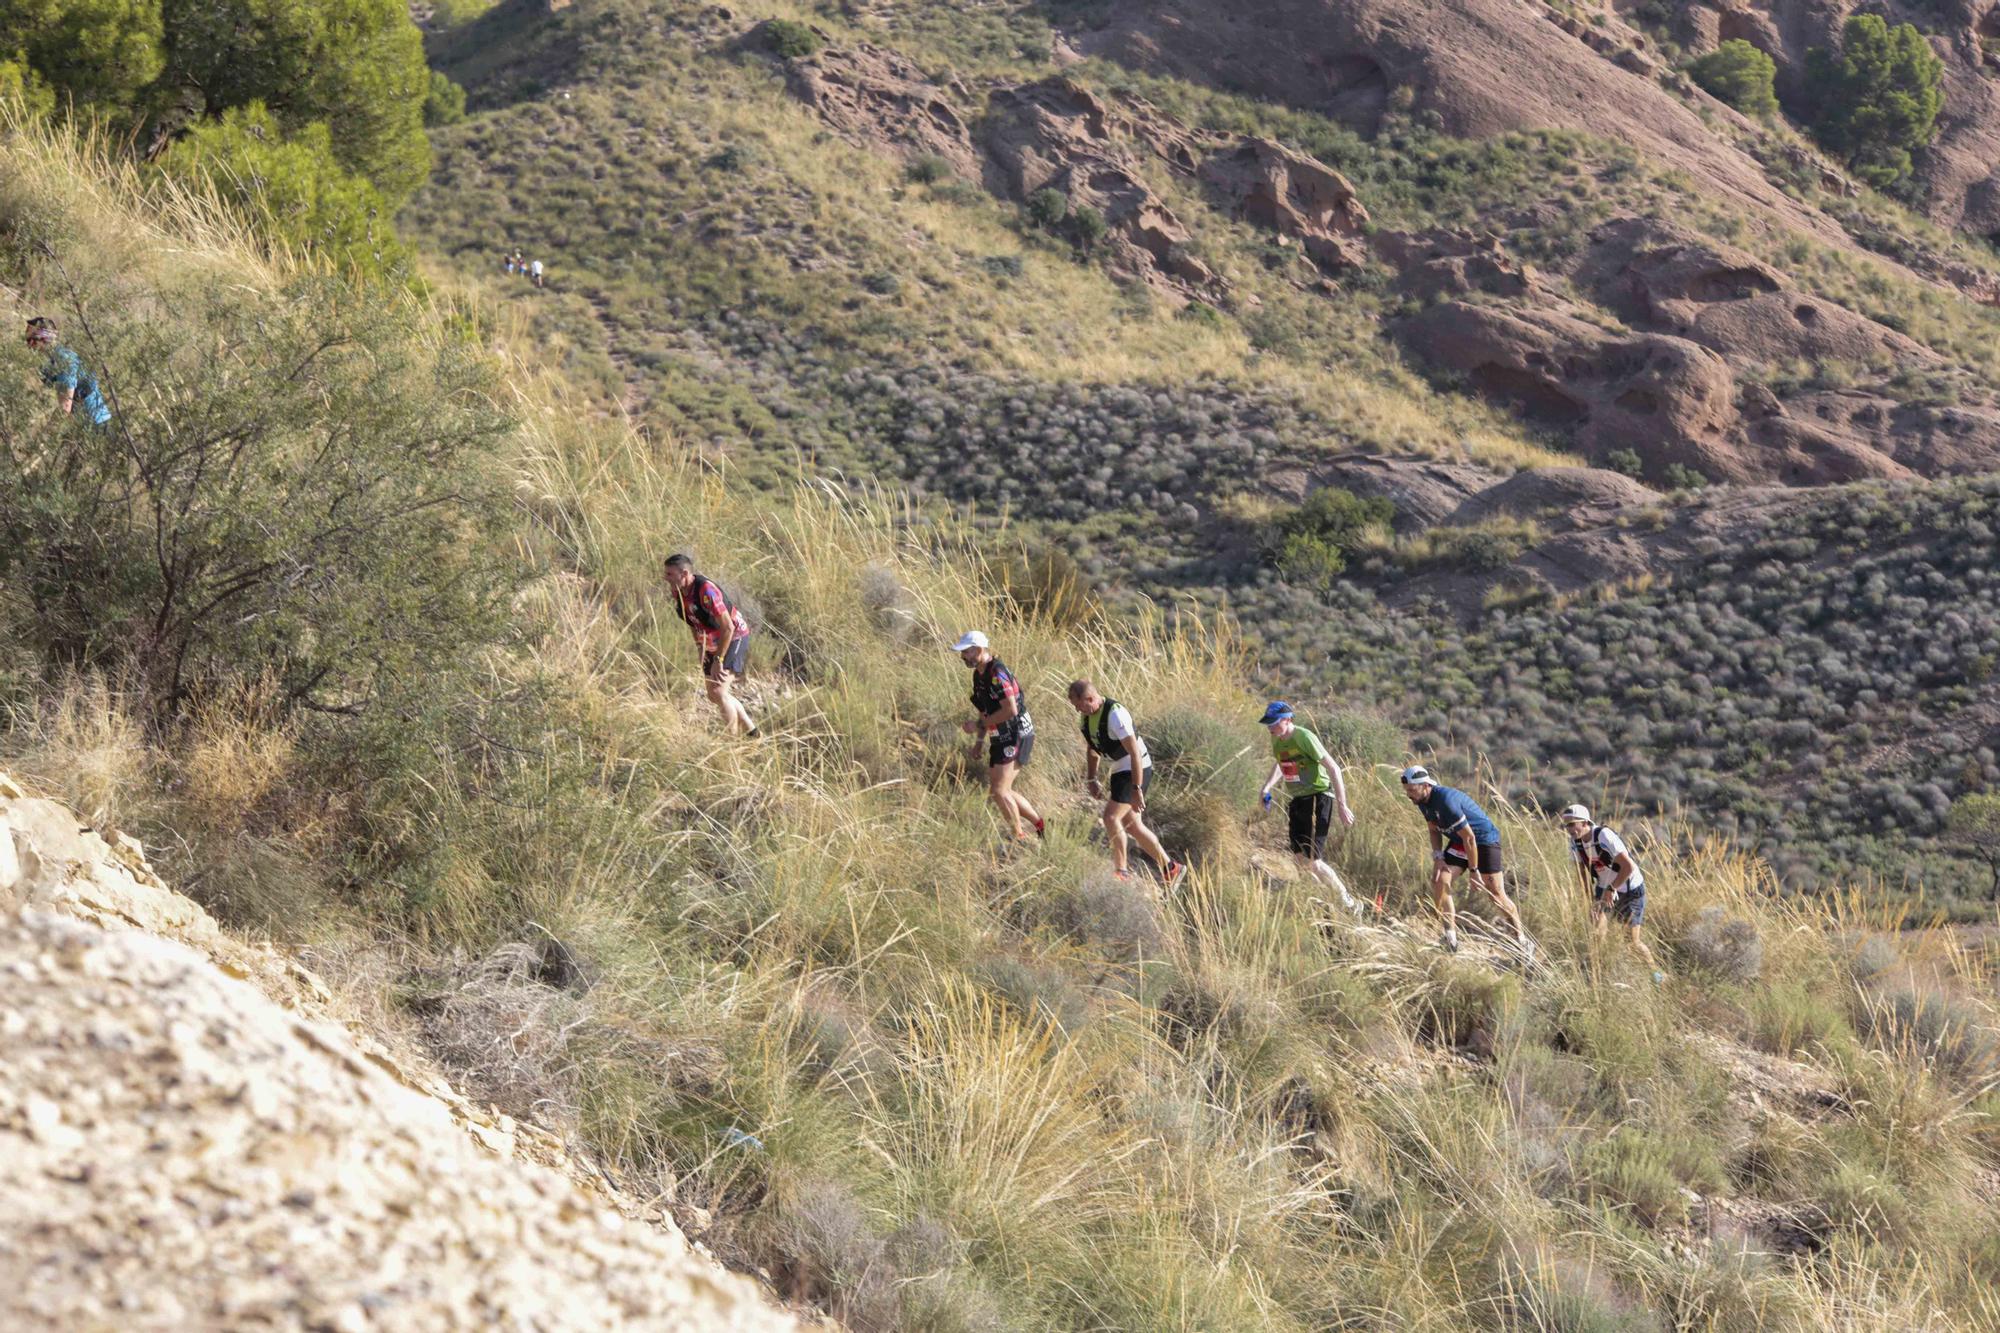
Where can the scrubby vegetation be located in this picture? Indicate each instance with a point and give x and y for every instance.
(790, 986)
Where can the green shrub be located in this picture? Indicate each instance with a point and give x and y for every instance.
(293, 488)
(1313, 541)
(1681, 477)
(1201, 312)
(445, 105)
(1309, 560)
(1974, 824)
(1739, 74)
(1047, 208)
(1636, 1172)
(1626, 461)
(789, 40)
(1877, 100)
(929, 169)
(1087, 225)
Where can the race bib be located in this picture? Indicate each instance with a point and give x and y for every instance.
(1290, 768)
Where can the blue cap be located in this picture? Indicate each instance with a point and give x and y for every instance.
(1279, 708)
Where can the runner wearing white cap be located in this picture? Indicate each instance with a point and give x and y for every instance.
(1003, 718)
(1611, 877)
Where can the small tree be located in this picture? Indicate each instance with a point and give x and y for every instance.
(1047, 208)
(1974, 824)
(1877, 101)
(1739, 74)
(1088, 225)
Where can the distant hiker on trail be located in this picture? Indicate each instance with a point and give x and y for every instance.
(511, 269)
(1003, 719)
(516, 263)
(1610, 876)
(535, 269)
(1108, 733)
(721, 633)
(75, 387)
(1317, 791)
(1462, 839)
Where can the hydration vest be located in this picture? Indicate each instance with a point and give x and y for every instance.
(1101, 740)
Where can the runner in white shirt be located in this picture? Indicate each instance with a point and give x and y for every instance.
(1610, 876)
(1108, 733)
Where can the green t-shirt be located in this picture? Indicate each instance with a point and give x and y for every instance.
(1308, 767)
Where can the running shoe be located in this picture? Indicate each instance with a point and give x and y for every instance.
(1176, 872)
(1527, 951)
(1041, 829)
(1122, 876)
(1659, 978)
(1448, 941)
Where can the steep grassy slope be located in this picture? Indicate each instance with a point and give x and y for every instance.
(790, 299)
(996, 1092)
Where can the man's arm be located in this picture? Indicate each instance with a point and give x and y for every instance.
(67, 401)
(1277, 776)
(1339, 788)
(1625, 872)
(1131, 744)
(1090, 768)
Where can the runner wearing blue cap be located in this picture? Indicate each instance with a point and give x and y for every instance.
(1317, 791)
(1463, 839)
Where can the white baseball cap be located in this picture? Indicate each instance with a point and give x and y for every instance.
(972, 638)
(1577, 813)
(1416, 774)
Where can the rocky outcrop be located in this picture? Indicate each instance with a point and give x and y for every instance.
(1056, 134)
(1666, 280)
(188, 1141)
(1298, 197)
(1682, 381)
(876, 97)
(1671, 399)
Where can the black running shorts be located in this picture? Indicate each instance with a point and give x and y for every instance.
(1121, 784)
(1312, 820)
(1489, 857)
(1008, 748)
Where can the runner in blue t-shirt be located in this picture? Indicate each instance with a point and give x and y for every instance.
(76, 389)
(1462, 839)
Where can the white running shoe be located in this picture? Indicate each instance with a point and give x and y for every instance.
(1448, 941)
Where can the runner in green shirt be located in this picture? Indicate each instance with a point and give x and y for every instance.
(1317, 790)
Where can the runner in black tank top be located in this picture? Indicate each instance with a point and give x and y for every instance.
(1009, 731)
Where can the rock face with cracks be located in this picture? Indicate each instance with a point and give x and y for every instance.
(178, 1149)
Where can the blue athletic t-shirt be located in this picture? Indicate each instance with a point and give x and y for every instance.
(64, 372)
(1450, 810)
